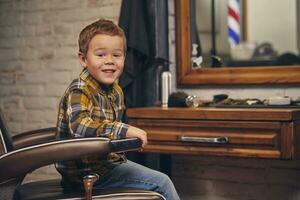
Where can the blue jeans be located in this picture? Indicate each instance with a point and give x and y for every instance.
(131, 174)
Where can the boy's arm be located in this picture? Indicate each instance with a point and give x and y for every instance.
(139, 133)
(81, 123)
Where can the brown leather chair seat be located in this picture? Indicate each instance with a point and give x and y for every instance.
(49, 190)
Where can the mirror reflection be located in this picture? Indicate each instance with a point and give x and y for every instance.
(244, 33)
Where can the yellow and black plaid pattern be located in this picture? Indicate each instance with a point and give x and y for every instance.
(89, 109)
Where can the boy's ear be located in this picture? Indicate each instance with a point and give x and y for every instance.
(82, 61)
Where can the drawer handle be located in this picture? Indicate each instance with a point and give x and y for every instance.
(218, 140)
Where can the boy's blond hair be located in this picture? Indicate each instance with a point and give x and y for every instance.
(102, 26)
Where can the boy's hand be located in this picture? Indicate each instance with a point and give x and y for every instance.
(139, 133)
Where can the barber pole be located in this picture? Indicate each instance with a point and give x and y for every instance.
(234, 35)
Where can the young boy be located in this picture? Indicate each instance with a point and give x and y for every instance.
(93, 105)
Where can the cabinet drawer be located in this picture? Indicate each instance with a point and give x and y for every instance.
(226, 138)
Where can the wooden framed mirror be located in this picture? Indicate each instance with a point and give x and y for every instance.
(187, 76)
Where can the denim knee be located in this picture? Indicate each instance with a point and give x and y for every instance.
(165, 180)
(166, 187)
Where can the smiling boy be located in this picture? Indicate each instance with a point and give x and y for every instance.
(93, 106)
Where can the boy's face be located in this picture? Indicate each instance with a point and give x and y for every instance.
(104, 58)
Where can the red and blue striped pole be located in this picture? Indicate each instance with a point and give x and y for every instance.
(234, 35)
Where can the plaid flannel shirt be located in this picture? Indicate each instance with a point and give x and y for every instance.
(88, 109)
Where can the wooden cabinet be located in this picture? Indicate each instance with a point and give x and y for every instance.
(262, 133)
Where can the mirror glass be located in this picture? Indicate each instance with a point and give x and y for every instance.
(251, 71)
(266, 29)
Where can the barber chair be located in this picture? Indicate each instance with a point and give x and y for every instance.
(30, 150)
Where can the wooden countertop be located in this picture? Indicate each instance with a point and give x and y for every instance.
(211, 113)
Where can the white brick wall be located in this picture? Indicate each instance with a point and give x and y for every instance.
(38, 55)
(38, 46)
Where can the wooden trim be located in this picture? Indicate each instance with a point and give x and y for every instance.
(236, 152)
(295, 139)
(226, 75)
(287, 135)
(243, 114)
(183, 46)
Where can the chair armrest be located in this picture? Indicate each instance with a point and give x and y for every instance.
(123, 145)
(24, 160)
(33, 137)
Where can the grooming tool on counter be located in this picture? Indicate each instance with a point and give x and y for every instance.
(219, 97)
(166, 88)
(182, 99)
(278, 100)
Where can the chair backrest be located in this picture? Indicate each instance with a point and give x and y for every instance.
(6, 144)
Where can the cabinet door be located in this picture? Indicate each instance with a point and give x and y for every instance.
(226, 138)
